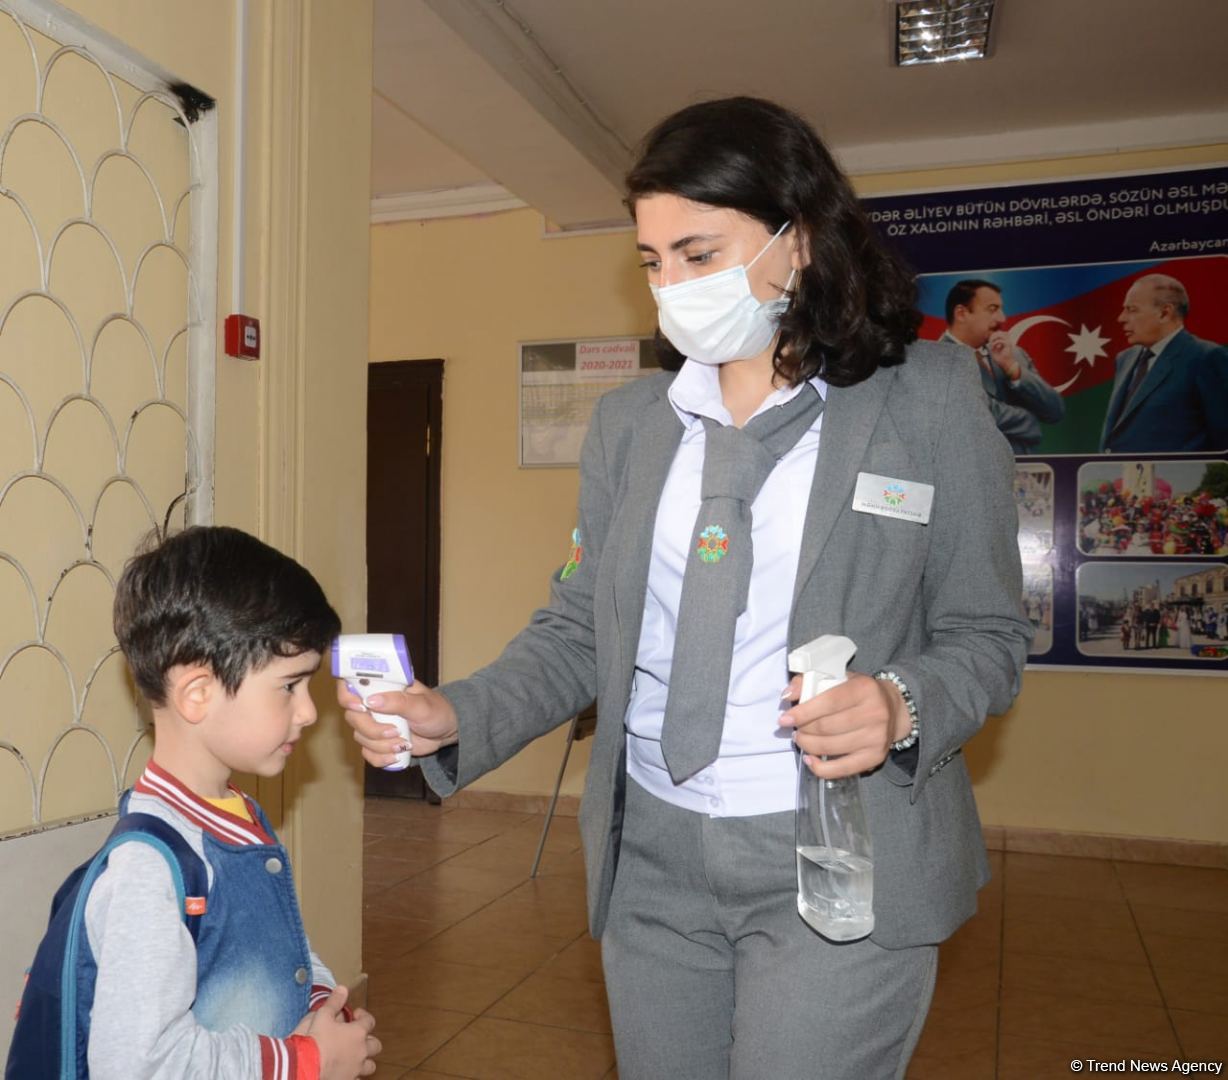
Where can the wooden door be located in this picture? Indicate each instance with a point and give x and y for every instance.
(404, 436)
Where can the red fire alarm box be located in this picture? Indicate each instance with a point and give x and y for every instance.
(243, 337)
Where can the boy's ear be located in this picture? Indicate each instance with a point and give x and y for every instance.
(190, 689)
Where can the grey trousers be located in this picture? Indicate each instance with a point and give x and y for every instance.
(712, 974)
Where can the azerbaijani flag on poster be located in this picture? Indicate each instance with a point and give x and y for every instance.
(1065, 318)
(1064, 252)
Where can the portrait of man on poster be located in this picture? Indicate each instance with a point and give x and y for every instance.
(1019, 398)
(1170, 388)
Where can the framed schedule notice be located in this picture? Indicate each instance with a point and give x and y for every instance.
(560, 381)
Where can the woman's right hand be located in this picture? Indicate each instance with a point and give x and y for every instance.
(431, 719)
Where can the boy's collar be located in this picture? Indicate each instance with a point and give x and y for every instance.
(220, 824)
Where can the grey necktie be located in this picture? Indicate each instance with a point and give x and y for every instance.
(716, 581)
(1000, 382)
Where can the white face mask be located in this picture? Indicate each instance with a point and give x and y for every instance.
(715, 319)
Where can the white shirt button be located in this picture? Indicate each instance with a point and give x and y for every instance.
(273, 866)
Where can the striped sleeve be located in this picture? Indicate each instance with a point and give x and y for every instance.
(320, 994)
(295, 1058)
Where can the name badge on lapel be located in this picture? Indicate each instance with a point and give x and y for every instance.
(908, 500)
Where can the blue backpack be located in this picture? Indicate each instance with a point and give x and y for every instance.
(51, 1037)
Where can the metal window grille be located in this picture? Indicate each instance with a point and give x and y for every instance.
(108, 222)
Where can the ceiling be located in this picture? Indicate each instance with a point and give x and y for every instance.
(487, 104)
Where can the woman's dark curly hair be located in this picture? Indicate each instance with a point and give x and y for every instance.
(854, 306)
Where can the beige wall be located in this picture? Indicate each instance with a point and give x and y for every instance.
(468, 290)
(312, 290)
(289, 427)
(1132, 755)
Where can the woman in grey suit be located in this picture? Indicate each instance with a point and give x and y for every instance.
(803, 467)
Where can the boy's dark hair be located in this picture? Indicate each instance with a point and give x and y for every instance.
(217, 596)
(853, 308)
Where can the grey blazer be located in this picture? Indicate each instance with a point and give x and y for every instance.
(939, 604)
(1018, 410)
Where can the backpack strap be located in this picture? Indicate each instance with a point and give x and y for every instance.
(188, 871)
(188, 875)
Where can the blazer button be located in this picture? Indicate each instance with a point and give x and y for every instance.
(300, 976)
(273, 866)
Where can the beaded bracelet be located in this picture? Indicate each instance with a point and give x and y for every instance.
(914, 732)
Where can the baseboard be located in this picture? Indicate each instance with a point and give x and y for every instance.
(1146, 849)
(567, 806)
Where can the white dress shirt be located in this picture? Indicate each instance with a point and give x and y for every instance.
(1159, 346)
(756, 770)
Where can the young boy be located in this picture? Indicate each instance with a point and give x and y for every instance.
(221, 633)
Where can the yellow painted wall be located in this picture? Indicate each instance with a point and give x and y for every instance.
(290, 426)
(1126, 754)
(312, 442)
(468, 290)
(202, 57)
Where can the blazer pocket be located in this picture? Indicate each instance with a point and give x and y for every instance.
(885, 455)
(891, 538)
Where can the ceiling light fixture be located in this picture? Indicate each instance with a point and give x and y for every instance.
(938, 31)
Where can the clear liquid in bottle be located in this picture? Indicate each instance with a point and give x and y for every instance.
(835, 892)
(835, 857)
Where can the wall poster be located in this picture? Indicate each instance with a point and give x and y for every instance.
(560, 382)
(1096, 313)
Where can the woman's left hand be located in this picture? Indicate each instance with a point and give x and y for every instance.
(853, 724)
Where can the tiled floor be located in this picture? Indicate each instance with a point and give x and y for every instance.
(478, 971)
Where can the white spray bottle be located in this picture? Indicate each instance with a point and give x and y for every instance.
(835, 861)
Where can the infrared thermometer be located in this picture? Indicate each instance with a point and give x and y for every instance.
(376, 664)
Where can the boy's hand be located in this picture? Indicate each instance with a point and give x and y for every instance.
(346, 1049)
(431, 718)
(374, 1046)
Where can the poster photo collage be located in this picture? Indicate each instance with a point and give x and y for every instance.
(1093, 311)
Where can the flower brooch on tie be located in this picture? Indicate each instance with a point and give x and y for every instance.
(713, 544)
